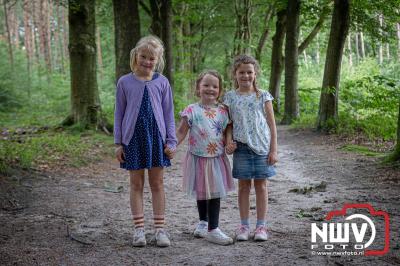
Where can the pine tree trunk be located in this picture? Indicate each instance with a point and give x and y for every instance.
(58, 39)
(65, 27)
(9, 37)
(28, 40)
(277, 58)
(44, 33)
(398, 41)
(317, 55)
(328, 106)
(291, 62)
(357, 45)
(387, 51)
(127, 33)
(85, 102)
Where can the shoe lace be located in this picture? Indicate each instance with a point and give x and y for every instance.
(243, 229)
(261, 229)
(138, 234)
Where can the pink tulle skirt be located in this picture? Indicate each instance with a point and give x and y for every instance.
(207, 177)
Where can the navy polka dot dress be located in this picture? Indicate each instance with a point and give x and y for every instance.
(145, 149)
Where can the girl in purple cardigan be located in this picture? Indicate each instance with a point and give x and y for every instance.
(144, 132)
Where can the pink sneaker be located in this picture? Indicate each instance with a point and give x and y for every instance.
(243, 233)
(261, 234)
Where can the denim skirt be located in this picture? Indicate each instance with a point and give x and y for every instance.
(249, 165)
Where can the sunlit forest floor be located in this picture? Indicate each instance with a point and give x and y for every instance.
(81, 215)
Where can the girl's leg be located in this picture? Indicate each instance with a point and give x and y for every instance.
(244, 200)
(202, 209)
(136, 197)
(157, 195)
(261, 200)
(213, 213)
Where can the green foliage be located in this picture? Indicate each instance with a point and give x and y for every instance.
(370, 104)
(361, 149)
(51, 148)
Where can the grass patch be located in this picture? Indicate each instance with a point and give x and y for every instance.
(361, 150)
(52, 149)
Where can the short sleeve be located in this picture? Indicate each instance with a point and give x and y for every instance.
(188, 113)
(226, 99)
(266, 96)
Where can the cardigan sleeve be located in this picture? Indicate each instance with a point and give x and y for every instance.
(120, 105)
(168, 112)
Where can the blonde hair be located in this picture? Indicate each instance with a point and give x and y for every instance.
(152, 44)
(212, 73)
(246, 59)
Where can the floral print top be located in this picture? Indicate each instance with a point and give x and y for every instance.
(207, 126)
(248, 115)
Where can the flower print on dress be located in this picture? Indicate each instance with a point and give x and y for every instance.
(223, 110)
(192, 141)
(217, 126)
(203, 134)
(212, 148)
(210, 113)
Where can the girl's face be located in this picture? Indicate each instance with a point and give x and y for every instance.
(146, 61)
(209, 89)
(245, 76)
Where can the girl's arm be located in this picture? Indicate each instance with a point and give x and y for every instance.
(273, 154)
(230, 145)
(183, 129)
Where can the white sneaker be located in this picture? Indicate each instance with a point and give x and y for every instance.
(218, 237)
(139, 238)
(261, 234)
(201, 229)
(243, 233)
(162, 238)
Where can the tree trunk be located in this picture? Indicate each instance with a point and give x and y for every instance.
(44, 33)
(380, 42)
(398, 41)
(277, 58)
(28, 40)
(242, 38)
(166, 16)
(357, 45)
(85, 101)
(127, 33)
(291, 62)
(328, 106)
(59, 42)
(387, 51)
(99, 53)
(349, 49)
(265, 33)
(362, 45)
(65, 32)
(10, 48)
(317, 55)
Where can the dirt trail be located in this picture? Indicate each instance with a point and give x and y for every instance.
(68, 218)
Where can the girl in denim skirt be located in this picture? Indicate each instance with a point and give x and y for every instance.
(254, 133)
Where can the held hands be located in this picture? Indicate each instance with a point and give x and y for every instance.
(230, 147)
(169, 152)
(119, 153)
(272, 157)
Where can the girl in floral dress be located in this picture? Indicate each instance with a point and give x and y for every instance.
(206, 169)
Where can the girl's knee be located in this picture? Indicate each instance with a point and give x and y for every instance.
(260, 186)
(244, 186)
(156, 184)
(137, 182)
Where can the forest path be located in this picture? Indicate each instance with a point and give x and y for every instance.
(69, 217)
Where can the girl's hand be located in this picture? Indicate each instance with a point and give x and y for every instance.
(169, 152)
(272, 158)
(230, 147)
(119, 153)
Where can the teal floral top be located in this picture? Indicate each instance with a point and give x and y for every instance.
(207, 126)
(247, 112)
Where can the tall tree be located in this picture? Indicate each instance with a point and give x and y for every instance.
(291, 62)
(398, 40)
(328, 106)
(28, 38)
(243, 34)
(264, 36)
(161, 25)
(8, 30)
(127, 33)
(277, 58)
(85, 101)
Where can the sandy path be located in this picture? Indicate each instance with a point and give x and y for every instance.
(67, 218)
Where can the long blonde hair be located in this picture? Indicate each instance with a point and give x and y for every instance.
(152, 44)
(212, 73)
(246, 59)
